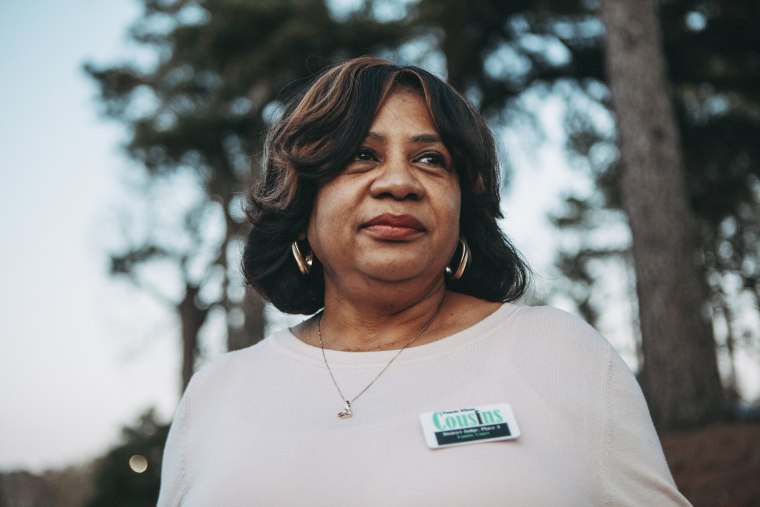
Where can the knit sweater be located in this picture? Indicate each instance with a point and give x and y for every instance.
(258, 427)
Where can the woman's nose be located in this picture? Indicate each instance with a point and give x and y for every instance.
(396, 179)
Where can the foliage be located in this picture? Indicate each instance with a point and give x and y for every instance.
(116, 484)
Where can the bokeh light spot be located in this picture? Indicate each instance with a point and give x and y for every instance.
(138, 463)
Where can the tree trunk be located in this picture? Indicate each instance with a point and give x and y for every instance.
(245, 318)
(192, 319)
(252, 329)
(732, 389)
(680, 374)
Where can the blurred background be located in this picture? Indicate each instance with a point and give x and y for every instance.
(131, 129)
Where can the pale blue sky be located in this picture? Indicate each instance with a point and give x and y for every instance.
(75, 364)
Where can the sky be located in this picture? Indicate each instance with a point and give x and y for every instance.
(83, 354)
(80, 355)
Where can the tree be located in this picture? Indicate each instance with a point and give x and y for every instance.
(680, 371)
(715, 83)
(220, 65)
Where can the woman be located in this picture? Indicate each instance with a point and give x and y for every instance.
(417, 383)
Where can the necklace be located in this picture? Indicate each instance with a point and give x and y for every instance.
(346, 413)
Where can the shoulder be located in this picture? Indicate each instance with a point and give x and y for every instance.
(551, 348)
(553, 329)
(553, 320)
(230, 369)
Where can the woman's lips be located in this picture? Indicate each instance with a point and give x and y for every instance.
(394, 227)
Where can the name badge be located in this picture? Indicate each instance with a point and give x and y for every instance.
(462, 426)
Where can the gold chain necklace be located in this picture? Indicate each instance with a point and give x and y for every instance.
(346, 413)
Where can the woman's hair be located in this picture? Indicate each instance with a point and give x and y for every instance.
(320, 131)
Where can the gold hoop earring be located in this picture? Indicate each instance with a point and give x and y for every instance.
(304, 263)
(464, 261)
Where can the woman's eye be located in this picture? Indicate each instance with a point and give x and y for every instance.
(432, 158)
(364, 154)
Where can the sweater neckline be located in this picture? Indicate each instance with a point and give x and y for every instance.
(285, 342)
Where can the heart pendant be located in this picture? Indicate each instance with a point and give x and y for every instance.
(346, 412)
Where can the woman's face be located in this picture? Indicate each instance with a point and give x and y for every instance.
(393, 213)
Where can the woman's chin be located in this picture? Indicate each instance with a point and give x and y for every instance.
(398, 272)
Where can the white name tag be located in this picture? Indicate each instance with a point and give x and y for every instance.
(462, 426)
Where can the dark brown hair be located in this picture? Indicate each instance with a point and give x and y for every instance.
(319, 132)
